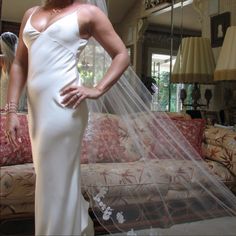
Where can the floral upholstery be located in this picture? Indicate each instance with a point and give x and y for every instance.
(18, 181)
(123, 177)
(9, 155)
(101, 127)
(163, 128)
(106, 140)
(220, 146)
(17, 189)
(192, 130)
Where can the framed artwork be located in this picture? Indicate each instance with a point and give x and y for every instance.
(219, 25)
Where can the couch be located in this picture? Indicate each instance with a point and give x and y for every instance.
(17, 178)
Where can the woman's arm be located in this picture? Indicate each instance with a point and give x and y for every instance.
(102, 30)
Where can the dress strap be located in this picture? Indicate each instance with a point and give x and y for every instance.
(34, 10)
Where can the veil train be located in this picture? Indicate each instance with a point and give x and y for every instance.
(141, 189)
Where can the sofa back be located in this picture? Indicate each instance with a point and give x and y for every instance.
(107, 139)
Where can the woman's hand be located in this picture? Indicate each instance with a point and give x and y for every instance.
(74, 95)
(13, 129)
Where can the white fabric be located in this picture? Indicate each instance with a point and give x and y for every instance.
(56, 131)
(130, 99)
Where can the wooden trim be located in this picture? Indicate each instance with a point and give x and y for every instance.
(13, 27)
(159, 5)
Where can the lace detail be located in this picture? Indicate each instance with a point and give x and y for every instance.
(107, 210)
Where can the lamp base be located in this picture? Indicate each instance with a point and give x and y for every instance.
(196, 95)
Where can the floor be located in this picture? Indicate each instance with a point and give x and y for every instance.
(218, 227)
(203, 228)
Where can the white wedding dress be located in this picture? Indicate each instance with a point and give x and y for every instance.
(56, 132)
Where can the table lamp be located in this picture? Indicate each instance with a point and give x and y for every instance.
(226, 68)
(195, 64)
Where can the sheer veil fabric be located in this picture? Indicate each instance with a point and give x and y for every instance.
(126, 206)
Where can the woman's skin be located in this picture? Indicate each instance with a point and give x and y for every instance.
(92, 23)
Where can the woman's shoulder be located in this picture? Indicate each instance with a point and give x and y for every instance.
(88, 7)
(89, 11)
(29, 12)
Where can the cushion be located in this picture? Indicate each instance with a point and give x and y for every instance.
(17, 190)
(226, 157)
(10, 155)
(220, 137)
(174, 135)
(220, 146)
(122, 178)
(193, 131)
(106, 140)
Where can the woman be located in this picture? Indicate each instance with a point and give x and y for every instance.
(51, 39)
(125, 196)
(8, 42)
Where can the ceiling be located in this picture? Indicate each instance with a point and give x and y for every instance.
(187, 16)
(118, 9)
(13, 10)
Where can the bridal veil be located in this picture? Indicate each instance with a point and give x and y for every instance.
(126, 206)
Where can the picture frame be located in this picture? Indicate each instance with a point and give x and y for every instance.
(219, 25)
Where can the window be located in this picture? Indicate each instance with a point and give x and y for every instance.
(167, 96)
(93, 64)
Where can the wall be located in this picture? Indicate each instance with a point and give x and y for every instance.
(130, 29)
(10, 26)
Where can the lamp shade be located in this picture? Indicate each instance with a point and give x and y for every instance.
(195, 62)
(226, 64)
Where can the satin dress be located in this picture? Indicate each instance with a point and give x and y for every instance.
(56, 131)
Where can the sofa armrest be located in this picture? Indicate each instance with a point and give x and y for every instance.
(220, 145)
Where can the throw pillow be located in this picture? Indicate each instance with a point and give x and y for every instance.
(106, 140)
(8, 154)
(193, 131)
(165, 137)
